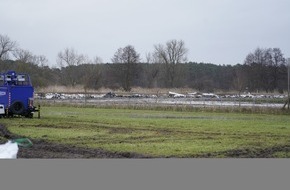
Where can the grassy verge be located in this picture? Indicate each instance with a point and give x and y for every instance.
(160, 133)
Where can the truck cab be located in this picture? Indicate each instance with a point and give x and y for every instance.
(16, 94)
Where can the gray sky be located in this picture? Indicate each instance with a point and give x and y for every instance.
(215, 31)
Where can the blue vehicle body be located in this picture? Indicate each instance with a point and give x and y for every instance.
(16, 94)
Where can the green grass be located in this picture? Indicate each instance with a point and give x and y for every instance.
(156, 133)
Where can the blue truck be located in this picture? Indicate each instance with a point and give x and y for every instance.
(16, 95)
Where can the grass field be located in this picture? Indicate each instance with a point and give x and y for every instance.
(161, 133)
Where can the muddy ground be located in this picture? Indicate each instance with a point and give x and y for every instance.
(47, 150)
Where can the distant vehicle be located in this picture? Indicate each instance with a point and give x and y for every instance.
(16, 95)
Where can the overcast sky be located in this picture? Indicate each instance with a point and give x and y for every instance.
(214, 31)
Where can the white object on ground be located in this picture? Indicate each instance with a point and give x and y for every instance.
(8, 150)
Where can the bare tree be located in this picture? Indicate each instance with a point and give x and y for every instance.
(257, 57)
(6, 46)
(41, 60)
(265, 64)
(129, 57)
(127, 54)
(151, 69)
(171, 54)
(92, 77)
(93, 74)
(69, 59)
(257, 70)
(240, 80)
(23, 56)
(277, 61)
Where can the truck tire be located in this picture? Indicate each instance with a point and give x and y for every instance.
(17, 107)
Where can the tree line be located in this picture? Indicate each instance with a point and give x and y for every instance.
(166, 66)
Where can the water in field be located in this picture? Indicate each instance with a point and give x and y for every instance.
(169, 101)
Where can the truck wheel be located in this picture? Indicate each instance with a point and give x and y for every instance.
(17, 107)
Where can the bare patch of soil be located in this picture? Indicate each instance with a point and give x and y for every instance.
(248, 153)
(43, 149)
(258, 153)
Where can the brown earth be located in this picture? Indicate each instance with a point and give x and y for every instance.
(43, 149)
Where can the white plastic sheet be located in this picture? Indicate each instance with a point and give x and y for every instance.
(8, 150)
